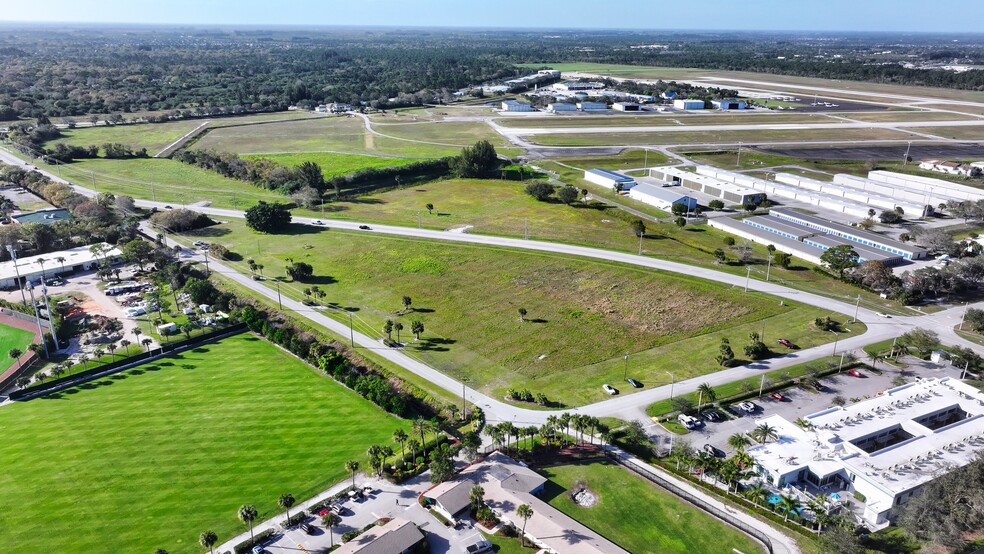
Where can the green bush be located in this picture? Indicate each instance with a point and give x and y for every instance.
(247, 545)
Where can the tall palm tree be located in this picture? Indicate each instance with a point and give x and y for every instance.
(375, 453)
(706, 393)
(247, 513)
(757, 492)
(352, 466)
(147, 343)
(61, 260)
(738, 441)
(416, 327)
(285, 501)
(137, 332)
(875, 357)
(207, 539)
(420, 426)
(413, 444)
(400, 437)
(477, 496)
(330, 520)
(126, 344)
(41, 262)
(15, 354)
(112, 349)
(788, 505)
(84, 358)
(398, 327)
(524, 511)
(764, 433)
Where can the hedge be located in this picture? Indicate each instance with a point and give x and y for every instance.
(259, 538)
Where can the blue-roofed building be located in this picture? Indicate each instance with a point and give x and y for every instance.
(45, 217)
(609, 179)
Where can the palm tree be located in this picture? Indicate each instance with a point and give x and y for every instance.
(84, 358)
(738, 441)
(57, 371)
(421, 426)
(706, 392)
(330, 520)
(247, 513)
(285, 501)
(398, 327)
(41, 262)
(112, 349)
(407, 302)
(788, 505)
(23, 381)
(15, 354)
(98, 354)
(352, 466)
(430, 208)
(413, 445)
(875, 357)
(375, 454)
(757, 492)
(207, 539)
(524, 511)
(137, 332)
(147, 343)
(416, 327)
(388, 329)
(61, 260)
(400, 437)
(126, 344)
(764, 433)
(477, 496)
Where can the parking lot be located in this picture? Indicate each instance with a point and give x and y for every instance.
(799, 402)
(385, 501)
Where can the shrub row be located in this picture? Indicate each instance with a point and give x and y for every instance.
(414, 172)
(259, 538)
(318, 506)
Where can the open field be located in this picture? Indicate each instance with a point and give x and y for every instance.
(977, 110)
(629, 158)
(637, 515)
(720, 137)
(346, 135)
(904, 116)
(959, 133)
(583, 315)
(12, 337)
(457, 133)
(332, 164)
(722, 78)
(152, 136)
(251, 424)
(669, 119)
(162, 180)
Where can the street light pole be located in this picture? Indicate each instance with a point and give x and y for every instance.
(963, 317)
(13, 256)
(463, 405)
(738, 163)
(51, 320)
(857, 307)
(279, 300)
(625, 370)
(905, 160)
(768, 269)
(351, 330)
(672, 380)
(37, 318)
(748, 276)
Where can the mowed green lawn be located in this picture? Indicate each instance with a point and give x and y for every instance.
(151, 457)
(717, 137)
(583, 315)
(334, 164)
(11, 337)
(152, 136)
(638, 516)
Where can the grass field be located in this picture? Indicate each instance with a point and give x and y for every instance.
(583, 316)
(959, 133)
(333, 164)
(345, 135)
(457, 133)
(718, 137)
(12, 337)
(151, 457)
(904, 116)
(152, 136)
(163, 180)
(639, 517)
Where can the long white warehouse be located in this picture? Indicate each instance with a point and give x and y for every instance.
(871, 198)
(934, 187)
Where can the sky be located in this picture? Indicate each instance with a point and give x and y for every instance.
(791, 15)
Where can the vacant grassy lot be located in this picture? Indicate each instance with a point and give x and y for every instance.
(583, 316)
(904, 116)
(457, 133)
(719, 137)
(333, 164)
(151, 457)
(163, 180)
(11, 337)
(959, 133)
(637, 515)
(152, 136)
(345, 135)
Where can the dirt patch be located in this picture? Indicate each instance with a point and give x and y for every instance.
(582, 495)
(664, 307)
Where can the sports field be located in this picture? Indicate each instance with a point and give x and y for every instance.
(637, 515)
(12, 337)
(151, 457)
(582, 315)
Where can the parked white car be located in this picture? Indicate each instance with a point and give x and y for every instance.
(609, 389)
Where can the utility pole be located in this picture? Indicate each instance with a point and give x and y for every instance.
(905, 159)
(841, 366)
(205, 253)
(768, 269)
(966, 367)
(51, 319)
(738, 163)
(13, 256)
(857, 307)
(625, 370)
(963, 317)
(463, 405)
(748, 276)
(646, 162)
(640, 244)
(279, 300)
(37, 318)
(762, 385)
(672, 380)
(351, 326)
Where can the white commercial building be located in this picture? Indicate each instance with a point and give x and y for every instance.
(609, 179)
(661, 197)
(587, 106)
(516, 106)
(555, 107)
(729, 192)
(688, 104)
(571, 86)
(882, 451)
(626, 107)
(74, 260)
(841, 192)
(936, 190)
(729, 104)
